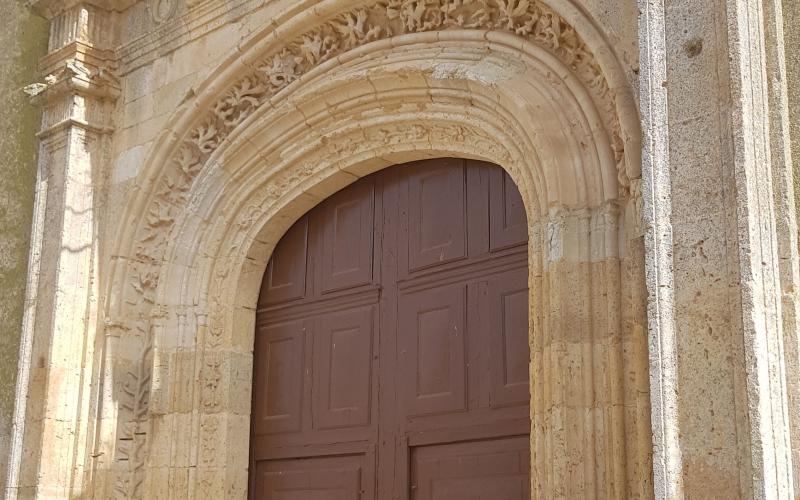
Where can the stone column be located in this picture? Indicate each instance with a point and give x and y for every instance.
(713, 185)
(589, 358)
(50, 457)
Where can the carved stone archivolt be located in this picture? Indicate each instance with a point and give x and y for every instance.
(529, 19)
(252, 91)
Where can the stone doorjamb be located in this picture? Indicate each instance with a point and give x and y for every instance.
(333, 94)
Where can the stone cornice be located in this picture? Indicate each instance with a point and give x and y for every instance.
(79, 83)
(74, 77)
(51, 8)
(75, 95)
(183, 27)
(87, 54)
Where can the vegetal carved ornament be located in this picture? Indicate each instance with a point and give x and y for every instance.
(383, 19)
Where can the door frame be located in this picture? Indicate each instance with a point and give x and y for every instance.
(190, 272)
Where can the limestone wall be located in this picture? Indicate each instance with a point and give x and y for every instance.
(152, 260)
(23, 37)
(791, 33)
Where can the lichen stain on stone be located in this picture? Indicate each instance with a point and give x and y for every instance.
(693, 47)
(24, 40)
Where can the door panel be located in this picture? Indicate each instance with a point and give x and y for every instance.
(483, 470)
(508, 340)
(391, 355)
(347, 238)
(330, 478)
(436, 221)
(342, 369)
(509, 224)
(278, 377)
(432, 351)
(285, 278)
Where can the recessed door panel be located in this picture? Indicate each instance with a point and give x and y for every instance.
(278, 377)
(285, 278)
(436, 214)
(347, 248)
(482, 470)
(508, 342)
(432, 350)
(509, 224)
(330, 478)
(342, 368)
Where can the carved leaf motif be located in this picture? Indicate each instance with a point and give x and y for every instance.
(159, 215)
(133, 439)
(239, 102)
(637, 200)
(456, 133)
(145, 284)
(317, 47)
(416, 15)
(206, 137)
(210, 380)
(548, 30)
(282, 69)
(210, 428)
(513, 13)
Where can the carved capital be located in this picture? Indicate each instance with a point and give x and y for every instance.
(79, 83)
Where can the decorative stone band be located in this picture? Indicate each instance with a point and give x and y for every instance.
(528, 19)
(532, 21)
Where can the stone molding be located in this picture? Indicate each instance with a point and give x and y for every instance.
(155, 302)
(52, 8)
(528, 19)
(755, 242)
(656, 216)
(769, 457)
(346, 32)
(80, 85)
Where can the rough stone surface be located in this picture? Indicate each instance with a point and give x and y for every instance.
(791, 32)
(23, 37)
(181, 138)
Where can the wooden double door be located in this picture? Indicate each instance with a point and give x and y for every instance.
(391, 351)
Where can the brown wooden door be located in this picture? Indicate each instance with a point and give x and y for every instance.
(391, 352)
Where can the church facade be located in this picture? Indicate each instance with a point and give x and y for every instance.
(413, 249)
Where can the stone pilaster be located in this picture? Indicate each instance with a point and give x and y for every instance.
(719, 259)
(57, 370)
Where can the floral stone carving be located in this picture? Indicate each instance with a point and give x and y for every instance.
(383, 19)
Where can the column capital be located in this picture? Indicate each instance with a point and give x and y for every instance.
(79, 82)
